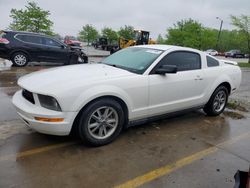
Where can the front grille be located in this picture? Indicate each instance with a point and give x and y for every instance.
(28, 96)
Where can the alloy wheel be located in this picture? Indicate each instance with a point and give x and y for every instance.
(219, 101)
(103, 122)
(20, 59)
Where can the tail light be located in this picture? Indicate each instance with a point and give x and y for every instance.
(4, 41)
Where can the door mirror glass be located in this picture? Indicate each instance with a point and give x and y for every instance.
(164, 69)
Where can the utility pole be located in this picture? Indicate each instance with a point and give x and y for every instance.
(218, 39)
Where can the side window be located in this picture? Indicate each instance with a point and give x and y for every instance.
(22, 37)
(183, 60)
(50, 42)
(30, 39)
(34, 39)
(211, 62)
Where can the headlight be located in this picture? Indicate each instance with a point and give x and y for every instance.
(49, 102)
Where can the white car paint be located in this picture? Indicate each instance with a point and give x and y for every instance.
(145, 95)
(212, 52)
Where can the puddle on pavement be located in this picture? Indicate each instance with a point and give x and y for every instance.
(9, 91)
(10, 128)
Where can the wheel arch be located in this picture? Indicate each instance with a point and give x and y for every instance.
(227, 85)
(117, 99)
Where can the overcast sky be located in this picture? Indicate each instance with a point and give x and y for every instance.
(155, 16)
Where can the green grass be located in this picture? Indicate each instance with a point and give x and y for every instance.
(245, 65)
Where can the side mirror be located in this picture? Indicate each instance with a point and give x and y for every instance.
(171, 69)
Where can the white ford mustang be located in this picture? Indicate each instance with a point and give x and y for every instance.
(131, 86)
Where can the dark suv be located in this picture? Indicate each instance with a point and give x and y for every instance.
(23, 47)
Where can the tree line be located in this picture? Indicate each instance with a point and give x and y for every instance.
(188, 32)
(191, 33)
(89, 33)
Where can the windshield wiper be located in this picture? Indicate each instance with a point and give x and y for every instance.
(124, 68)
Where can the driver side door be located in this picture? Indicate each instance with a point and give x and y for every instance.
(177, 91)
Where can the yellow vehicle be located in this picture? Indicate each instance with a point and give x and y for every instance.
(141, 38)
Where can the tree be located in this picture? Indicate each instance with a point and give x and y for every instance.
(243, 24)
(209, 38)
(160, 39)
(185, 33)
(88, 33)
(110, 34)
(127, 32)
(32, 19)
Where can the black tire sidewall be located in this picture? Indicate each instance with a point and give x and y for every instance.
(83, 123)
(209, 106)
(19, 53)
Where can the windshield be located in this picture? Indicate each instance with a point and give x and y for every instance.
(135, 60)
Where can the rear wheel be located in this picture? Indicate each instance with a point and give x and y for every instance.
(217, 102)
(101, 122)
(19, 59)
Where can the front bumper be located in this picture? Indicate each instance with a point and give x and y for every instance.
(28, 111)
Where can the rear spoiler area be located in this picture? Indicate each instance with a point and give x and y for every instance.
(228, 62)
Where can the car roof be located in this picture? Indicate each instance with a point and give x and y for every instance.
(166, 47)
(23, 32)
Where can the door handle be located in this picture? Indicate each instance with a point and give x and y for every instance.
(198, 78)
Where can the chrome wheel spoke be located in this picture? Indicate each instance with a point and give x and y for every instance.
(94, 125)
(110, 113)
(110, 125)
(105, 115)
(111, 120)
(99, 113)
(104, 130)
(95, 118)
(100, 131)
(93, 130)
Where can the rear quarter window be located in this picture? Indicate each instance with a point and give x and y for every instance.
(211, 62)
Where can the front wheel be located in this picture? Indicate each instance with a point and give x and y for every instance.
(217, 102)
(101, 122)
(19, 59)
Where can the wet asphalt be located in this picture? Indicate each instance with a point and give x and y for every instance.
(169, 146)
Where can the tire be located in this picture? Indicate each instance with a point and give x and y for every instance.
(19, 59)
(94, 128)
(84, 58)
(217, 102)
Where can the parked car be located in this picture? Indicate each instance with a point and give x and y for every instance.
(132, 86)
(23, 47)
(212, 52)
(72, 41)
(234, 54)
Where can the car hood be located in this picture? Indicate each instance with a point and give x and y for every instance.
(56, 79)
